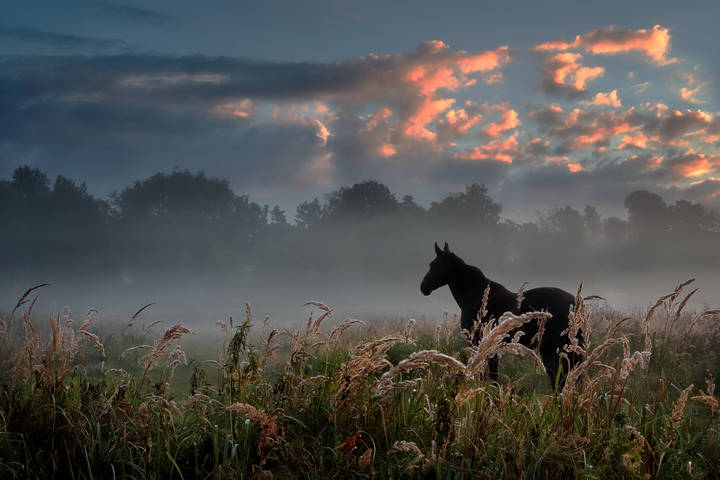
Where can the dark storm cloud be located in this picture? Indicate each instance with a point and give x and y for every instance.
(62, 41)
(156, 77)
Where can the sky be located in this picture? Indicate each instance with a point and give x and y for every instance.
(547, 103)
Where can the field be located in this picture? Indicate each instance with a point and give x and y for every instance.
(343, 398)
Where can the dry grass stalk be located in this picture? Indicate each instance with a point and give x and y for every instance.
(520, 296)
(581, 370)
(409, 330)
(404, 446)
(269, 347)
(421, 359)
(450, 325)
(679, 406)
(577, 326)
(611, 331)
(480, 317)
(269, 431)
(314, 326)
(493, 341)
(160, 346)
(365, 361)
(176, 357)
(701, 316)
(537, 338)
(337, 332)
(54, 361)
(96, 340)
(680, 308)
(137, 314)
(630, 361)
(463, 397)
(156, 322)
(222, 325)
(24, 299)
(709, 398)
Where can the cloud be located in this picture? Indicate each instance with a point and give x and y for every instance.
(564, 75)
(670, 124)
(424, 117)
(609, 99)
(693, 165)
(503, 150)
(581, 129)
(509, 120)
(655, 43)
(61, 41)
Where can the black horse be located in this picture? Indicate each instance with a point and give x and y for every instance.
(468, 283)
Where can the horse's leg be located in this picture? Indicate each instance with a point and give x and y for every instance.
(493, 368)
(467, 321)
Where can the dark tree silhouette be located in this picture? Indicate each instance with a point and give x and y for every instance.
(649, 215)
(474, 205)
(309, 214)
(186, 219)
(361, 201)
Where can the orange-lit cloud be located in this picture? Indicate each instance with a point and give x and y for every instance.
(427, 111)
(634, 140)
(598, 136)
(509, 120)
(690, 94)
(242, 109)
(581, 129)
(573, 167)
(610, 99)
(694, 165)
(387, 150)
(503, 150)
(436, 69)
(655, 43)
(563, 74)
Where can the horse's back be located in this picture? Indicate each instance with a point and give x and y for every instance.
(555, 300)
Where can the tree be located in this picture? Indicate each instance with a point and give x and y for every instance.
(688, 218)
(308, 215)
(361, 201)
(181, 195)
(615, 230)
(566, 221)
(277, 216)
(72, 203)
(592, 221)
(649, 215)
(30, 182)
(473, 206)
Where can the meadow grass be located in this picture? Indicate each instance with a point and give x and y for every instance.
(83, 399)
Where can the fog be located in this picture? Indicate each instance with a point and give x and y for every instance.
(199, 250)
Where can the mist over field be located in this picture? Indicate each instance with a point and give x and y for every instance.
(197, 249)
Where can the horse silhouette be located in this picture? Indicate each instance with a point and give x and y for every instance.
(468, 283)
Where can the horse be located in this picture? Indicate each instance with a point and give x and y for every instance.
(467, 285)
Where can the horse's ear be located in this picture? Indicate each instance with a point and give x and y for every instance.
(437, 250)
(447, 249)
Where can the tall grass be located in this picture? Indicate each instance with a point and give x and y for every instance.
(352, 399)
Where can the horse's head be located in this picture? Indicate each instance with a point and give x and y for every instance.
(440, 269)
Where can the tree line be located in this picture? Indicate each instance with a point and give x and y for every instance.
(188, 220)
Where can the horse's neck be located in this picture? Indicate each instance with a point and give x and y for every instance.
(467, 285)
